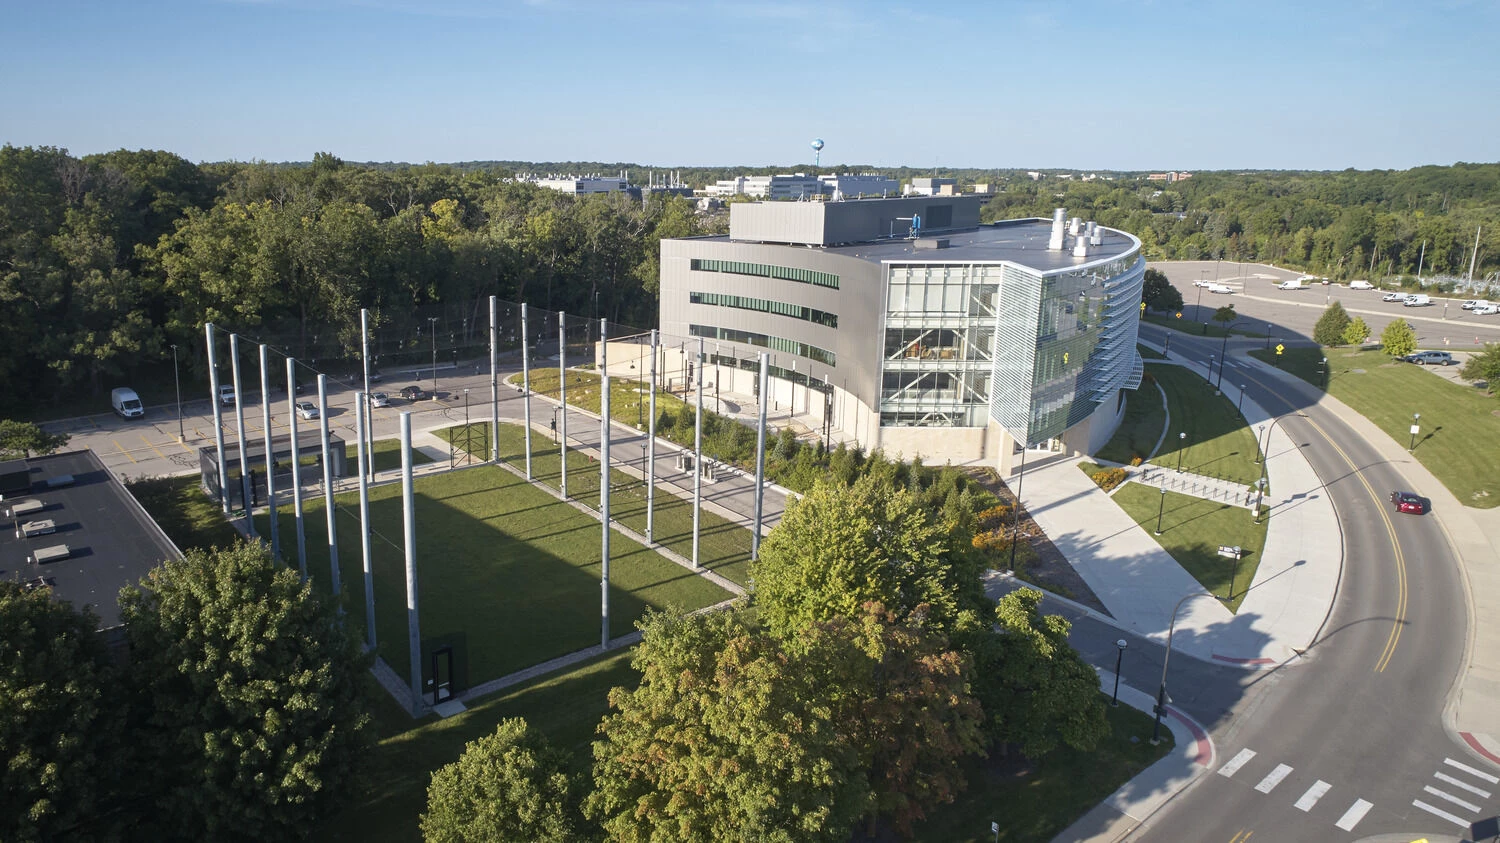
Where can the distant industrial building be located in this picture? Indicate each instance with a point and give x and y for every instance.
(584, 185)
(785, 186)
(1169, 177)
(932, 187)
(856, 185)
(906, 324)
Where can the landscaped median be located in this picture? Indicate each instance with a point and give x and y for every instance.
(1459, 424)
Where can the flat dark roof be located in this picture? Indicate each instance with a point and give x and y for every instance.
(1022, 242)
(113, 542)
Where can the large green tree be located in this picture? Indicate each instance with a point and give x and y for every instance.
(1158, 293)
(60, 718)
(1331, 325)
(19, 440)
(1483, 366)
(1399, 338)
(251, 715)
(843, 546)
(510, 785)
(1357, 332)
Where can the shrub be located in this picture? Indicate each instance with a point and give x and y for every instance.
(1109, 478)
(1136, 460)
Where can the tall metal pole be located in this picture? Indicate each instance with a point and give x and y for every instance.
(265, 421)
(291, 407)
(328, 506)
(177, 381)
(760, 456)
(361, 413)
(698, 455)
(651, 448)
(604, 480)
(213, 397)
(1161, 694)
(239, 434)
(526, 384)
(364, 356)
(494, 382)
(409, 523)
(562, 397)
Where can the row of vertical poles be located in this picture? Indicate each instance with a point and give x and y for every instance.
(291, 414)
(239, 433)
(604, 425)
(361, 427)
(526, 385)
(265, 422)
(213, 395)
(328, 507)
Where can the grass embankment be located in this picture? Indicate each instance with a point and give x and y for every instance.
(1149, 353)
(723, 546)
(1218, 444)
(1458, 425)
(1189, 326)
(1192, 529)
(1140, 430)
(385, 457)
(189, 517)
(508, 575)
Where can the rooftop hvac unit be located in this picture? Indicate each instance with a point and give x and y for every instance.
(1081, 247)
(1055, 242)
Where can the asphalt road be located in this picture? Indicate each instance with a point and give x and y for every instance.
(1292, 313)
(1341, 743)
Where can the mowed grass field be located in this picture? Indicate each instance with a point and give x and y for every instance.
(1218, 443)
(1460, 424)
(723, 546)
(1192, 529)
(508, 576)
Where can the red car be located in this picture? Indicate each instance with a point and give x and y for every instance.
(1408, 502)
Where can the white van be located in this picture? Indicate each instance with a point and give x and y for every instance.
(126, 403)
(1417, 300)
(1474, 304)
(1290, 285)
(1361, 285)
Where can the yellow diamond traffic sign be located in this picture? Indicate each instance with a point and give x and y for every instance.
(1280, 348)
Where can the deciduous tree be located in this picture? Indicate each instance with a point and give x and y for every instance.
(507, 786)
(252, 715)
(1158, 293)
(19, 440)
(1483, 365)
(1357, 332)
(1331, 325)
(1399, 338)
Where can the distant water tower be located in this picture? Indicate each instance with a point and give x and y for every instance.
(817, 145)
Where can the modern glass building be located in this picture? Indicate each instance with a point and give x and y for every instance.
(905, 324)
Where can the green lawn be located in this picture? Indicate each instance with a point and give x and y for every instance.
(1188, 326)
(386, 456)
(723, 546)
(1218, 443)
(1459, 423)
(627, 400)
(1036, 801)
(189, 517)
(1141, 427)
(1192, 530)
(508, 575)
(1149, 353)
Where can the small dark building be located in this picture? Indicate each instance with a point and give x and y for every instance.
(310, 453)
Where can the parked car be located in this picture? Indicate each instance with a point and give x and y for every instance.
(1214, 287)
(126, 403)
(1393, 297)
(1417, 300)
(412, 393)
(226, 395)
(1202, 283)
(1430, 358)
(1474, 304)
(1295, 284)
(307, 409)
(1487, 310)
(1361, 285)
(379, 399)
(1408, 502)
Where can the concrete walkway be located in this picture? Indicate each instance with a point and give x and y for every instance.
(1140, 583)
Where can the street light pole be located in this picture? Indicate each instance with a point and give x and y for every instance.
(1243, 387)
(1264, 456)
(178, 381)
(1199, 310)
(1181, 446)
(1159, 508)
(1415, 417)
(1161, 693)
(432, 326)
(1119, 657)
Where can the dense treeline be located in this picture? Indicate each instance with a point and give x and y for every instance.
(1350, 224)
(108, 260)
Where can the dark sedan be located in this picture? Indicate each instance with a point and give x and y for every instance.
(1408, 502)
(412, 393)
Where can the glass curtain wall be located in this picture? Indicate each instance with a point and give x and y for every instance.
(939, 345)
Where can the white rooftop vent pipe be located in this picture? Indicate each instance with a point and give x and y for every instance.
(1081, 247)
(1074, 224)
(1055, 242)
(1096, 234)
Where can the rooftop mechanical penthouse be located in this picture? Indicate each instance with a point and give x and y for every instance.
(905, 324)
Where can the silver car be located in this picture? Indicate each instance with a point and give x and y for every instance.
(307, 409)
(379, 399)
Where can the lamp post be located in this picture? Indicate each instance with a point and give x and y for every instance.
(178, 381)
(1211, 370)
(468, 445)
(1415, 417)
(1265, 457)
(1268, 336)
(1243, 387)
(1159, 508)
(1323, 372)
(1181, 446)
(1198, 308)
(432, 327)
(1119, 657)
(1161, 693)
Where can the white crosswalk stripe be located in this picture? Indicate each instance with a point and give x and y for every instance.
(1313, 794)
(1478, 774)
(1236, 762)
(1273, 778)
(1438, 812)
(1451, 798)
(1355, 813)
(1462, 785)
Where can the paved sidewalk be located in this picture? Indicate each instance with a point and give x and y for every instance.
(1140, 583)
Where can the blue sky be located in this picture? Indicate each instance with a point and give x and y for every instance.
(1204, 84)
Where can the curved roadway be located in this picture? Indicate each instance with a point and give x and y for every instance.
(1358, 720)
